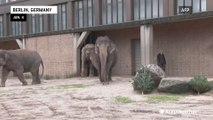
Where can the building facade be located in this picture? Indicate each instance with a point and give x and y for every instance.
(139, 28)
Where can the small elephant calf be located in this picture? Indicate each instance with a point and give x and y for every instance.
(89, 60)
(20, 61)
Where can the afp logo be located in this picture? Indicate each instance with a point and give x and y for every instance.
(185, 9)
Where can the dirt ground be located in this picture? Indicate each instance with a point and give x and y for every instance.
(86, 98)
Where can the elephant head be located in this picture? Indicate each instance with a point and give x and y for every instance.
(104, 48)
(3, 57)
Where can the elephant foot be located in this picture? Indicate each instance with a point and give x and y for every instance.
(2, 85)
(24, 84)
(105, 83)
(91, 75)
(36, 82)
(83, 75)
(101, 81)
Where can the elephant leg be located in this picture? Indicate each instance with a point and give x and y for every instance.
(35, 73)
(21, 77)
(83, 69)
(5, 74)
(111, 64)
(100, 77)
(110, 70)
(36, 79)
(91, 70)
(110, 74)
(83, 64)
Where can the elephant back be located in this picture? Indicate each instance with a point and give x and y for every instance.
(88, 46)
(102, 39)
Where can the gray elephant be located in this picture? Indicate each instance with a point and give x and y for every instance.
(107, 53)
(89, 60)
(20, 61)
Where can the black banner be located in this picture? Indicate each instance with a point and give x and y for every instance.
(185, 9)
(18, 17)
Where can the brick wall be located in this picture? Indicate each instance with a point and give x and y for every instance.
(188, 47)
(56, 51)
(9, 45)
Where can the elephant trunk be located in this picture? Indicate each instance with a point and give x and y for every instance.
(103, 59)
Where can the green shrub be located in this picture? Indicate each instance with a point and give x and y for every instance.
(163, 98)
(123, 100)
(200, 84)
(143, 82)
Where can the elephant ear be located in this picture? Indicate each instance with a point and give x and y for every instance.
(112, 48)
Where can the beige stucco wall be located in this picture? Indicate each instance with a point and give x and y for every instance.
(56, 51)
(188, 47)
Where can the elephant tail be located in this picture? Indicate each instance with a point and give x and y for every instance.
(42, 69)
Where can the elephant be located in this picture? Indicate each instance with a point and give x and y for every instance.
(20, 61)
(107, 55)
(89, 60)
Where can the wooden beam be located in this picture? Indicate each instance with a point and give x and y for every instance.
(82, 38)
(19, 42)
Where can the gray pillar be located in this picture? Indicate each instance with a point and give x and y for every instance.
(46, 26)
(146, 39)
(209, 5)
(24, 27)
(70, 15)
(97, 12)
(76, 53)
(5, 25)
(166, 8)
(172, 8)
(129, 8)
